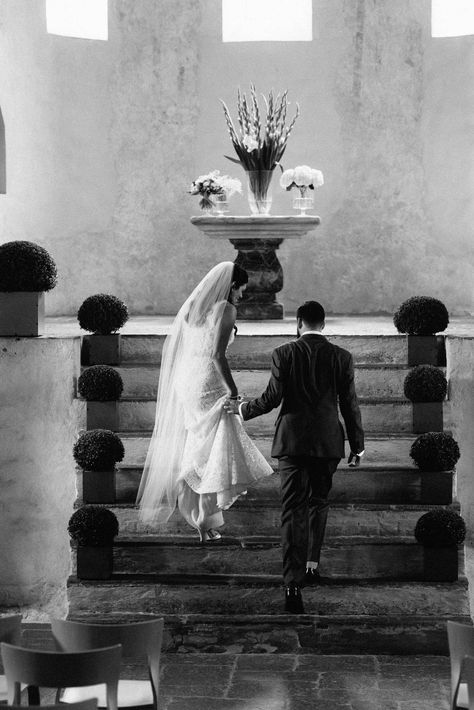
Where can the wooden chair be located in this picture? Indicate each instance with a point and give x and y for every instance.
(57, 670)
(10, 632)
(461, 644)
(140, 639)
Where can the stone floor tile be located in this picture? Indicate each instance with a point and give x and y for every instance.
(274, 662)
(340, 664)
(431, 704)
(272, 685)
(349, 681)
(405, 689)
(258, 703)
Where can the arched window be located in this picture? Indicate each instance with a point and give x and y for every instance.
(86, 19)
(267, 21)
(452, 18)
(3, 158)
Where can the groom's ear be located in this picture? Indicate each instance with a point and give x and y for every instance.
(299, 323)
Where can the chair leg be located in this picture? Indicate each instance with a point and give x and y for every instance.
(33, 695)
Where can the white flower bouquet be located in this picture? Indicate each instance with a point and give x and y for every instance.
(302, 177)
(214, 184)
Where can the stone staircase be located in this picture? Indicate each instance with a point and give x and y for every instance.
(228, 596)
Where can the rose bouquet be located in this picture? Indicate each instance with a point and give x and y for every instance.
(214, 184)
(302, 177)
(259, 143)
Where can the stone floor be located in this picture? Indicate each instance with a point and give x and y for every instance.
(198, 681)
(67, 326)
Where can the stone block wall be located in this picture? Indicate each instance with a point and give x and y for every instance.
(39, 421)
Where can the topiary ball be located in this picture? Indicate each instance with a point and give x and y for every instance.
(25, 266)
(435, 451)
(421, 315)
(425, 383)
(102, 314)
(98, 450)
(440, 528)
(100, 383)
(93, 526)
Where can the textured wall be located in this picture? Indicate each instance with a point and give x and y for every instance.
(38, 425)
(104, 137)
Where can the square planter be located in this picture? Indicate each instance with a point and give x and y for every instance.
(94, 562)
(427, 416)
(101, 349)
(436, 487)
(426, 350)
(98, 486)
(102, 415)
(21, 313)
(440, 564)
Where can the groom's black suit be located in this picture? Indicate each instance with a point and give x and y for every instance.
(308, 377)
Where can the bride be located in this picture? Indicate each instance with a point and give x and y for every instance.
(200, 456)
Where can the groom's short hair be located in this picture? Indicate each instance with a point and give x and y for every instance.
(311, 312)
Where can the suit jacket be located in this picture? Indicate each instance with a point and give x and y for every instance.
(309, 376)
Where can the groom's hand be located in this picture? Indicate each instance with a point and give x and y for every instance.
(231, 406)
(354, 459)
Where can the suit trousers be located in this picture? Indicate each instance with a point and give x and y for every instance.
(305, 484)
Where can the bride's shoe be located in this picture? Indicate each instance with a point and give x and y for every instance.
(209, 535)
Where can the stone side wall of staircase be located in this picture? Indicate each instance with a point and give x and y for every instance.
(228, 596)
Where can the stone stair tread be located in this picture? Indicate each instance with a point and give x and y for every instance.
(362, 400)
(251, 541)
(262, 502)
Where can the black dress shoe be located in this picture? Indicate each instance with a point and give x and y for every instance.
(312, 576)
(293, 600)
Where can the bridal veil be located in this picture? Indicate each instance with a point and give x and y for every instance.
(159, 485)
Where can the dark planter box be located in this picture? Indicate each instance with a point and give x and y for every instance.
(426, 350)
(440, 564)
(94, 562)
(21, 313)
(436, 487)
(102, 415)
(101, 349)
(98, 486)
(427, 416)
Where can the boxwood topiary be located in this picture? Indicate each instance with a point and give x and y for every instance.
(93, 526)
(421, 315)
(102, 314)
(435, 451)
(98, 450)
(440, 528)
(425, 383)
(25, 266)
(100, 383)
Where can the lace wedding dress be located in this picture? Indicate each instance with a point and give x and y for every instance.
(200, 456)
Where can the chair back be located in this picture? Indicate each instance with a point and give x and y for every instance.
(10, 629)
(142, 638)
(461, 643)
(84, 705)
(57, 670)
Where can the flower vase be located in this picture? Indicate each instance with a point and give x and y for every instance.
(302, 202)
(221, 205)
(259, 191)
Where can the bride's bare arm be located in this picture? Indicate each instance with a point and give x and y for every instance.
(220, 346)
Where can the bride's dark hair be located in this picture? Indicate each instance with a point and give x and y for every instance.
(239, 278)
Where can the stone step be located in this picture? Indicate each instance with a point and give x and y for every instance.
(380, 449)
(263, 518)
(386, 484)
(255, 350)
(386, 619)
(371, 380)
(342, 558)
(378, 415)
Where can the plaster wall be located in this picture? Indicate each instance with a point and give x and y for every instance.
(39, 421)
(103, 139)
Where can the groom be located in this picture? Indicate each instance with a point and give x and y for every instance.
(308, 377)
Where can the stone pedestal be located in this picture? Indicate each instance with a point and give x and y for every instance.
(256, 239)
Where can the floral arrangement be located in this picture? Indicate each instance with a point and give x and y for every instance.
(302, 177)
(259, 145)
(214, 184)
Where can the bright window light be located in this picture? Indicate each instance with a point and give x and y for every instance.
(86, 19)
(452, 18)
(267, 21)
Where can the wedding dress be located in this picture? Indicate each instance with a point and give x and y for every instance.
(200, 456)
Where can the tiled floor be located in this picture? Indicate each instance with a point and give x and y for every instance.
(286, 682)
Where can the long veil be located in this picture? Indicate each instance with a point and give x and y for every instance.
(159, 485)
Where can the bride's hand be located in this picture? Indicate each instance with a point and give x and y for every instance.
(231, 406)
